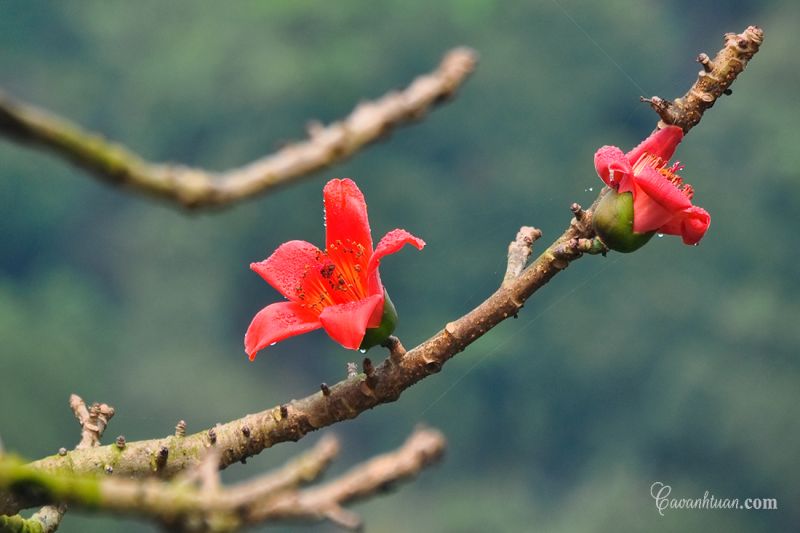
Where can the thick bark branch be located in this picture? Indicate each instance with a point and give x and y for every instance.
(194, 187)
(207, 506)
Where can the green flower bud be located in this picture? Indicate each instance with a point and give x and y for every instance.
(376, 336)
(613, 222)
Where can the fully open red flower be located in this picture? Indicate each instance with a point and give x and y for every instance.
(661, 201)
(338, 289)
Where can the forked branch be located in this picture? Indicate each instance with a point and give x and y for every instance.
(196, 501)
(195, 187)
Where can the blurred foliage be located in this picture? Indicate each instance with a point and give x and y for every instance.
(675, 364)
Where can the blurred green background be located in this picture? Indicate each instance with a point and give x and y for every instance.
(675, 364)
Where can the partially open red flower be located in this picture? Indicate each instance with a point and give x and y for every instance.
(661, 201)
(338, 289)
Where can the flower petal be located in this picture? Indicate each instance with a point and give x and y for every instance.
(291, 267)
(345, 214)
(391, 243)
(661, 143)
(277, 322)
(346, 323)
(691, 224)
(647, 214)
(661, 190)
(611, 165)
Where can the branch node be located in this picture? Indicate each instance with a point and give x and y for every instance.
(180, 428)
(432, 365)
(93, 420)
(246, 431)
(705, 61)
(352, 370)
(62, 451)
(395, 347)
(519, 251)
(108, 470)
(369, 369)
(212, 436)
(326, 391)
(120, 442)
(284, 409)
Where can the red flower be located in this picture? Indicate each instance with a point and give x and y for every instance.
(338, 289)
(661, 201)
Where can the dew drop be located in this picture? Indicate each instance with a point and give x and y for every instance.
(362, 350)
(273, 343)
(591, 189)
(659, 235)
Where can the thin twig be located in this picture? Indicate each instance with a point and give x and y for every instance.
(423, 447)
(194, 187)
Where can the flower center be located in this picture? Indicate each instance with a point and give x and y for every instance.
(341, 279)
(658, 164)
(347, 274)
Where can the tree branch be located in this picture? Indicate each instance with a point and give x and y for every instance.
(422, 448)
(356, 394)
(93, 421)
(274, 497)
(712, 82)
(195, 187)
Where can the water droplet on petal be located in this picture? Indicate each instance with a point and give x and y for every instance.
(273, 343)
(659, 235)
(362, 350)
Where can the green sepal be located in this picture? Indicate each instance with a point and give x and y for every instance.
(613, 222)
(376, 336)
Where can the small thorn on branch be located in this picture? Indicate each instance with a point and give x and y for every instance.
(161, 458)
